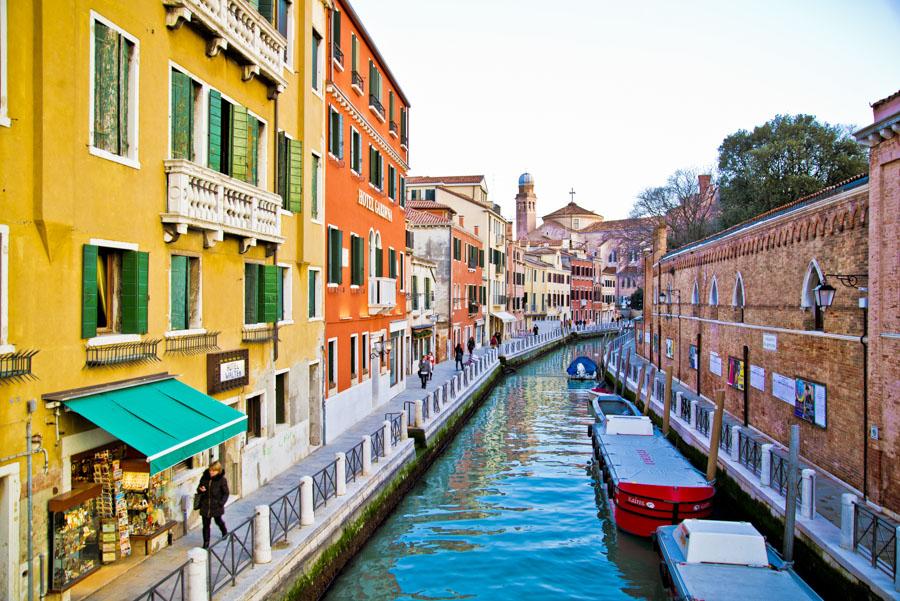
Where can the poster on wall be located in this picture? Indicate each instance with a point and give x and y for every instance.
(809, 403)
(783, 388)
(735, 373)
(770, 342)
(670, 348)
(757, 377)
(715, 363)
(656, 343)
(647, 337)
(693, 357)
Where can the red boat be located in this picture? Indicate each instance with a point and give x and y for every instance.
(648, 482)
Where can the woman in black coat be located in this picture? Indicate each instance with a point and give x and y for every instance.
(212, 493)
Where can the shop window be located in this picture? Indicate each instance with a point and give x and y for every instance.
(114, 90)
(114, 291)
(184, 293)
(254, 416)
(281, 398)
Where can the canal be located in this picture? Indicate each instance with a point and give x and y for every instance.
(509, 511)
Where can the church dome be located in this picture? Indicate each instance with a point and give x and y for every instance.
(526, 178)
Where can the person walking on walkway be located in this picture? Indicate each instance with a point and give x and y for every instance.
(424, 370)
(471, 345)
(430, 357)
(212, 493)
(458, 355)
(535, 330)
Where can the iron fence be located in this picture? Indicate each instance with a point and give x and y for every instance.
(354, 465)
(779, 470)
(17, 366)
(396, 420)
(377, 444)
(703, 421)
(324, 484)
(173, 587)
(142, 351)
(876, 538)
(284, 514)
(410, 408)
(230, 556)
(749, 452)
(193, 343)
(684, 411)
(426, 409)
(725, 436)
(357, 80)
(435, 403)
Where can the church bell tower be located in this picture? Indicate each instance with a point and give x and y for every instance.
(525, 201)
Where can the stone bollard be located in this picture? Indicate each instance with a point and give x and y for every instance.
(735, 443)
(445, 396)
(807, 494)
(765, 465)
(386, 432)
(340, 474)
(418, 419)
(679, 399)
(197, 574)
(262, 547)
(694, 404)
(307, 517)
(848, 519)
(366, 455)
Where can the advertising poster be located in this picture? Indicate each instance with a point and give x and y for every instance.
(715, 363)
(656, 343)
(783, 388)
(647, 337)
(693, 357)
(670, 348)
(809, 403)
(735, 373)
(757, 377)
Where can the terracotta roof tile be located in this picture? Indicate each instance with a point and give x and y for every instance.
(878, 103)
(570, 209)
(447, 179)
(428, 204)
(618, 224)
(415, 217)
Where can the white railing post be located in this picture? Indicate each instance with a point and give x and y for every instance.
(366, 455)
(386, 433)
(197, 574)
(735, 443)
(848, 519)
(679, 399)
(808, 494)
(307, 517)
(340, 474)
(262, 548)
(765, 466)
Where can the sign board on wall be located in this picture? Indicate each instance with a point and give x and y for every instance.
(757, 377)
(735, 373)
(809, 403)
(647, 337)
(693, 358)
(227, 370)
(670, 348)
(715, 363)
(783, 388)
(770, 342)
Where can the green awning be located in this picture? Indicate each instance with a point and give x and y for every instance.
(165, 420)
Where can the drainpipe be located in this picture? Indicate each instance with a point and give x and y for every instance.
(275, 252)
(864, 304)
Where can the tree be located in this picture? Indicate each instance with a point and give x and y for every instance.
(679, 205)
(786, 158)
(637, 299)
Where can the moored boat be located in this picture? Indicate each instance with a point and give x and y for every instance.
(582, 368)
(648, 482)
(715, 560)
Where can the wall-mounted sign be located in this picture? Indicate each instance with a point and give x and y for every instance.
(735, 373)
(715, 363)
(770, 342)
(380, 209)
(783, 388)
(227, 370)
(693, 358)
(757, 377)
(647, 337)
(670, 348)
(810, 402)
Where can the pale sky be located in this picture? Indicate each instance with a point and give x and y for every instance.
(610, 97)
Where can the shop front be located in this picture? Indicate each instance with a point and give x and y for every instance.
(423, 341)
(501, 322)
(120, 502)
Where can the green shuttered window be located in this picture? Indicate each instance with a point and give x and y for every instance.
(335, 133)
(179, 293)
(415, 292)
(182, 116)
(357, 260)
(234, 139)
(113, 272)
(379, 262)
(113, 61)
(392, 263)
(262, 293)
(89, 291)
(215, 131)
(135, 292)
(335, 251)
(427, 293)
(290, 173)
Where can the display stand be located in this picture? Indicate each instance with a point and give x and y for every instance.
(74, 549)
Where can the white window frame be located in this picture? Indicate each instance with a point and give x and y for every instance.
(332, 361)
(287, 294)
(133, 160)
(318, 288)
(739, 284)
(320, 61)
(4, 70)
(198, 328)
(695, 294)
(331, 138)
(201, 116)
(291, 49)
(807, 293)
(318, 173)
(354, 344)
(5, 347)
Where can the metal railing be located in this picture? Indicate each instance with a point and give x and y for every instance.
(193, 343)
(684, 412)
(749, 452)
(375, 103)
(324, 484)
(284, 514)
(396, 425)
(357, 80)
(875, 538)
(354, 465)
(435, 403)
(17, 366)
(395, 129)
(230, 556)
(257, 335)
(337, 54)
(410, 408)
(426, 409)
(173, 587)
(703, 421)
(377, 444)
(125, 352)
(725, 436)
(779, 470)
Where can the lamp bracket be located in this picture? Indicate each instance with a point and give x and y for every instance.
(849, 280)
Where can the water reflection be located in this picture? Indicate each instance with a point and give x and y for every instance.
(510, 511)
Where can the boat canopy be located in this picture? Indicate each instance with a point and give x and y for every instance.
(588, 366)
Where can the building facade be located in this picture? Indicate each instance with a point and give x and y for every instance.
(421, 307)
(582, 289)
(515, 283)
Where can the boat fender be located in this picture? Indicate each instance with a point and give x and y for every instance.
(590, 430)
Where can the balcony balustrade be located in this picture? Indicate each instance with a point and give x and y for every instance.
(395, 129)
(382, 295)
(234, 26)
(203, 199)
(376, 107)
(357, 81)
(338, 55)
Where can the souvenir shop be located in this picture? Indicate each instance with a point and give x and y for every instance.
(120, 503)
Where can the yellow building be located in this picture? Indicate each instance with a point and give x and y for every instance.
(555, 286)
(157, 250)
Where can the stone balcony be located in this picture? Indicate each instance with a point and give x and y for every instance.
(382, 295)
(202, 199)
(236, 27)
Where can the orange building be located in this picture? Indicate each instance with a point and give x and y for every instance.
(366, 332)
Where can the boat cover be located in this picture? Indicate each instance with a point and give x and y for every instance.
(588, 366)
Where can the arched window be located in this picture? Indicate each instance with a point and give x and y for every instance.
(812, 279)
(695, 295)
(737, 298)
(714, 293)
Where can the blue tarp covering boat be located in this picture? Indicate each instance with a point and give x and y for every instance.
(582, 368)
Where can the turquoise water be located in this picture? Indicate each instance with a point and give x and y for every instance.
(509, 511)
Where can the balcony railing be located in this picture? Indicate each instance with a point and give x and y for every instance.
(474, 308)
(395, 129)
(382, 295)
(357, 81)
(207, 200)
(376, 106)
(337, 54)
(236, 27)
(404, 140)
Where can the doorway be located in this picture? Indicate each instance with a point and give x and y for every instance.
(9, 531)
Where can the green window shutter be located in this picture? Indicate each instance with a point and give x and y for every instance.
(372, 165)
(415, 292)
(481, 257)
(336, 28)
(379, 262)
(356, 260)
(335, 242)
(252, 150)
(267, 293)
(135, 275)
(392, 263)
(239, 148)
(311, 292)
(295, 189)
(251, 292)
(282, 170)
(89, 291)
(178, 292)
(106, 87)
(182, 116)
(125, 48)
(279, 296)
(215, 130)
(340, 135)
(265, 8)
(314, 192)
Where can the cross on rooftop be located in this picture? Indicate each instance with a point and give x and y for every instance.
(572, 194)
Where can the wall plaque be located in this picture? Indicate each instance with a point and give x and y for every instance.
(227, 370)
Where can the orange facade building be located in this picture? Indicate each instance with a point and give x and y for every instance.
(366, 333)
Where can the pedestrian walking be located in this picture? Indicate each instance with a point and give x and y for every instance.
(424, 370)
(430, 357)
(535, 330)
(458, 355)
(471, 345)
(212, 493)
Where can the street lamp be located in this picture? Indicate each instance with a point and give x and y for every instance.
(824, 295)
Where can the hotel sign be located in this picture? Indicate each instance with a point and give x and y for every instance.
(227, 370)
(380, 209)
